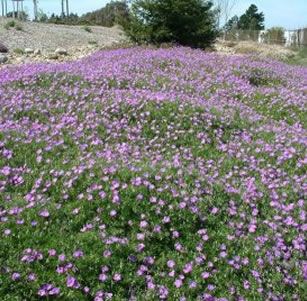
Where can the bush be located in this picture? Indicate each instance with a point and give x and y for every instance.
(186, 22)
(275, 35)
(19, 51)
(18, 27)
(23, 15)
(9, 24)
(3, 48)
(91, 42)
(87, 29)
(113, 13)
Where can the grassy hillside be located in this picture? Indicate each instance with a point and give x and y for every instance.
(300, 59)
(155, 175)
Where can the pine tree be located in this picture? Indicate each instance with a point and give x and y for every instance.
(251, 19)
(232, 23)
(186, 22)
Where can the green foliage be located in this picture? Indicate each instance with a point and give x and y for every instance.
(275, 35)
(12, 24)
(92, 42)
(23, 15)
(18, 27)
(87, 29)
(72, 19)
(19, 51)
(232, 23)
(9, 24)
(186, 22)
(251, 19)
(300, 59)
(42, 16)
(258, 77)
(113, 13)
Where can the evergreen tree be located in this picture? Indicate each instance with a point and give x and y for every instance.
(232, 23)
(251, 19)
(113, 13)
(186, 22)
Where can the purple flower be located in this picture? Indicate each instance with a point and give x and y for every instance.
(54, 291)
(205, 275)
(48, 289)
(44, 213)
(113, 213)
(62, 257)
(188, 268)
(7, 232)
(117, 277)
(72, 282)
(192, 284)
(76, 211)
(86, 289)
(171, 263)
(31, 277)
(140, 247)
(246, 284)
(143, 224)
(178, 283)
(103, 277)
(77, 254)
(16, 276)
(107, 253)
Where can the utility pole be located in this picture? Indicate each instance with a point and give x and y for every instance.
(67, 9)
(2, 7)
(18, 10)
(62, 2)
(14, 15)
(35, 9)
(22, 12)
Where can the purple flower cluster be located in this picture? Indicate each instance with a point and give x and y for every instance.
(168, 174)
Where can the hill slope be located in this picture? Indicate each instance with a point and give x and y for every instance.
(50, 36)
(138, 174)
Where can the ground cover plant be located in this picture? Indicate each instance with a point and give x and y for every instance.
(142, 174)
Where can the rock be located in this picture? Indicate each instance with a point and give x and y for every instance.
(60, 51)
(29, 51)
(37, 52)
(3, 48)
(3, 59)
(20, 59)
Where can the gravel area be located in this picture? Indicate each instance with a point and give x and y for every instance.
(48, 37)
